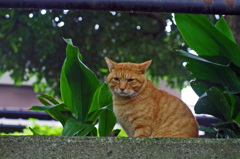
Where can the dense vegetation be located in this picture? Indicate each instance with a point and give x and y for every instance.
(215, 69)
(31, 43)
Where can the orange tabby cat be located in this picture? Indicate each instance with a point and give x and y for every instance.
(143, 110)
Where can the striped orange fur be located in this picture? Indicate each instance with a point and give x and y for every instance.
(142, 109)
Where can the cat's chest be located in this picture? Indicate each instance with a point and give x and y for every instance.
(123, 118)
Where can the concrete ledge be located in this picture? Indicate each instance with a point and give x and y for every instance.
(111, 147)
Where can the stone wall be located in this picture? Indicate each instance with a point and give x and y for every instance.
(49, 147)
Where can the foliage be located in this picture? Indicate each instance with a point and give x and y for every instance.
(42, 130)
(84, 99)
(30, 43)
(215, 69)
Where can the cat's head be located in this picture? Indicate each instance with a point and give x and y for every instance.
(126, 79)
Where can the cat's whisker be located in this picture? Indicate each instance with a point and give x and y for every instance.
(136, 96)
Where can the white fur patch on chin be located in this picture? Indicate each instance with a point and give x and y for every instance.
(125, 94)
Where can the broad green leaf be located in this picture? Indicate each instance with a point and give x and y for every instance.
(102, 107)
(215, 74)
(45, 108)
(231, 129)
(218, 74)
(94, 132)
(237, 117)
(81, 81)
(66, 92)
(56, 111)
(208, 130)
(102, 97)
(213, 102)
(107, 122)
(73, 127)
(105, 96)
(201, 86)
(222, 26)
(235, 107)
(93, 116)
(43, 101)
(228, 133)
(205, 38)
(34, 132)
(95, 102)
(198, 58)
(49, 98)
(68, 41)
(87, 130)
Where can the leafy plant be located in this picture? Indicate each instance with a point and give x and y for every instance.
(216, 69)
(85, 99)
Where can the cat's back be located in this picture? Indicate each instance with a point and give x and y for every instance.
(173, 117)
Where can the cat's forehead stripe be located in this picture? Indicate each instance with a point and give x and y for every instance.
(124, 70)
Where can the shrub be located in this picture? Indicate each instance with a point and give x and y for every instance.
(216, 69)
(86, 101)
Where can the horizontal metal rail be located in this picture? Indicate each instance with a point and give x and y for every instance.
(170, 6)
(10, 114)
(202, 120)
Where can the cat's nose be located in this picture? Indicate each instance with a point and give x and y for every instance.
(122, 89)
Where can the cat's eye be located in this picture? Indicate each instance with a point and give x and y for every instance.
(130, 80)
(116, 79)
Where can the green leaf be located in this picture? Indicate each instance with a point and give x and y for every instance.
(215, 73)
(49, 98)
(107, 122)
(88, 129)
(235, 107)
(34, 132)
(102, 107)
(105, 96)
(45, 108)
(208, 130)
(198, 58)
(237, 116)
(43, 101)
(73, 127)
(78, 83)
(93, 116)
(56, 111)
(205, 38)
(222, 26)
(68, 41)
(66, 92)
(103, 101)
(228, 133)
(102, 98)
(94, 132)
(201, 86)
(228, 129)
(213, 102)
(95, 102)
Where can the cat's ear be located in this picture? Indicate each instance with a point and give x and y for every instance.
(144, 66)
(111, 64)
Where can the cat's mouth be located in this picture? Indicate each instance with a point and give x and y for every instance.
(124, 94)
